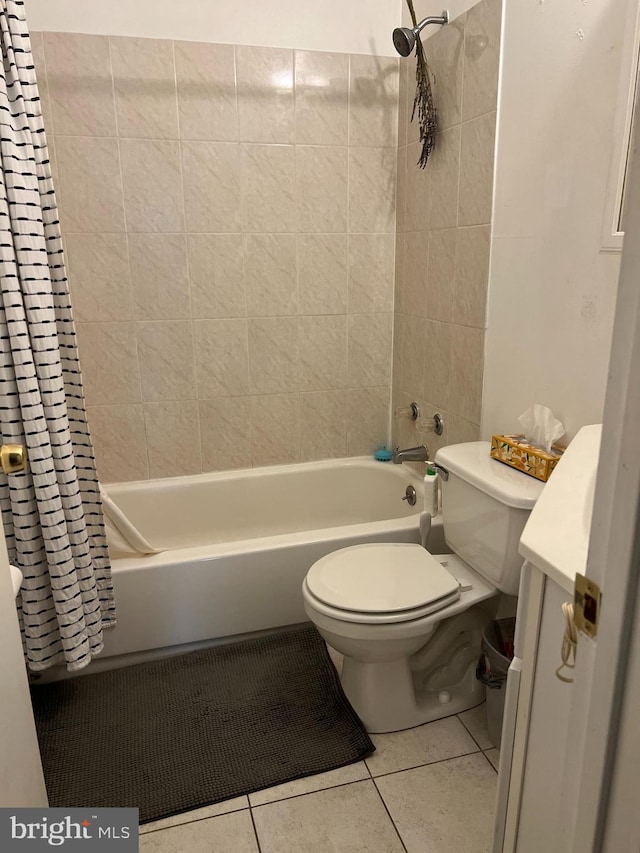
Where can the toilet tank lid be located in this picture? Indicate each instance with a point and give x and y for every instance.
(471, 462)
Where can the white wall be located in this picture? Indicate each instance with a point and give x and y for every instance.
(356, 26)
(424, 8)
(551, 291)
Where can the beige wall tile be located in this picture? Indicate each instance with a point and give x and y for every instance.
(441, 274)
(321, 97)
(79, 84)
(273, 355)
(207, 103)
(98, 269)
(373, 100)
(446, 59)
(443, 166)
(322, 273)
(270, 274)
(225, 433)
(323, 425)
(419, 190)
(268, 188)
(412, 349)
(437, 363)
(467, 361)
(109, 362)
(275, 424)
(321, 188)
(265, 94)
(152, 185)
(322, 353)
(477, 151)
(221, 358)
(372, 179)
(173, 438)
(416, 266)
(472, 275)
(216, 270)
(37, 51)
(403, 102)
(371, 272)
(120, 442)
(402, 191)
(481, 58)
(369, 350)
(89, 187)
(159, 275)
(145, 88)
(165, 351)
(399, 282)
(367, 420)
(461, 430)
(211, 173)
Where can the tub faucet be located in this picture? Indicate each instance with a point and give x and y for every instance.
(411, 454)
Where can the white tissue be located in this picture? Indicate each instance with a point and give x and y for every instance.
(540, 426)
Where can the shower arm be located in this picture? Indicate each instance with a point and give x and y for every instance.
(441, 20)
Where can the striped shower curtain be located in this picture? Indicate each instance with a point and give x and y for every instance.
(52, 514)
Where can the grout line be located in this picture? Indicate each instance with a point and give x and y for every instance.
(306, 793)
(389, 814)
(484, 752)
(425, 764)
(194, 820)
(474, 739)
(255, 829)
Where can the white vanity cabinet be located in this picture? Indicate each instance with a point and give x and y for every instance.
(532, 811)
(539, 766)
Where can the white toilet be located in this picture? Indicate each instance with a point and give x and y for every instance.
(409, 623)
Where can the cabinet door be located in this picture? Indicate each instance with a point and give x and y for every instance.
(541, 807)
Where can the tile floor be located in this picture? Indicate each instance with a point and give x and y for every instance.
(426, 790)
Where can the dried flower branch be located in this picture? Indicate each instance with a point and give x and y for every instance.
(423, 102)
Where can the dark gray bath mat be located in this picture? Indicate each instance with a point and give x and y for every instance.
(191, 730)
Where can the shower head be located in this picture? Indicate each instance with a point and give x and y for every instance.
(404, 38)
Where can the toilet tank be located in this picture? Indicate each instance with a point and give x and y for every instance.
(485, 506)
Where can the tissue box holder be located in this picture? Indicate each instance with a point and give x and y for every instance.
(515, 451)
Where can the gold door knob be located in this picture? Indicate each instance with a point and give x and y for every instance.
(13, 458)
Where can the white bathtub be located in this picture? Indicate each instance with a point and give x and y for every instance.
(238, 545)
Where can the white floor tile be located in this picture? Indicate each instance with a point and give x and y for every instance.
(494, 756)
(445, 807)
(436, 741)
(351, 819)
(230, 833)
(225, 807)
(476, 721)
(317, 782)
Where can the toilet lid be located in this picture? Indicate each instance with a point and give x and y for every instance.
(380, 578)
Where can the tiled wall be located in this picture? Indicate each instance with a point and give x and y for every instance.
(229, 222)
(444, 229)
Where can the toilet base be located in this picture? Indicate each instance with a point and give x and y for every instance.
(437, 681)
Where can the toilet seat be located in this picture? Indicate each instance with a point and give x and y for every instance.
(380, 583)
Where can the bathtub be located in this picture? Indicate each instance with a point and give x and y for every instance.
(237, 545)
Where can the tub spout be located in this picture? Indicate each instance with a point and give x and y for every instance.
(411, 454)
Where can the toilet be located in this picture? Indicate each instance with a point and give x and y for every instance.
(409, 623)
